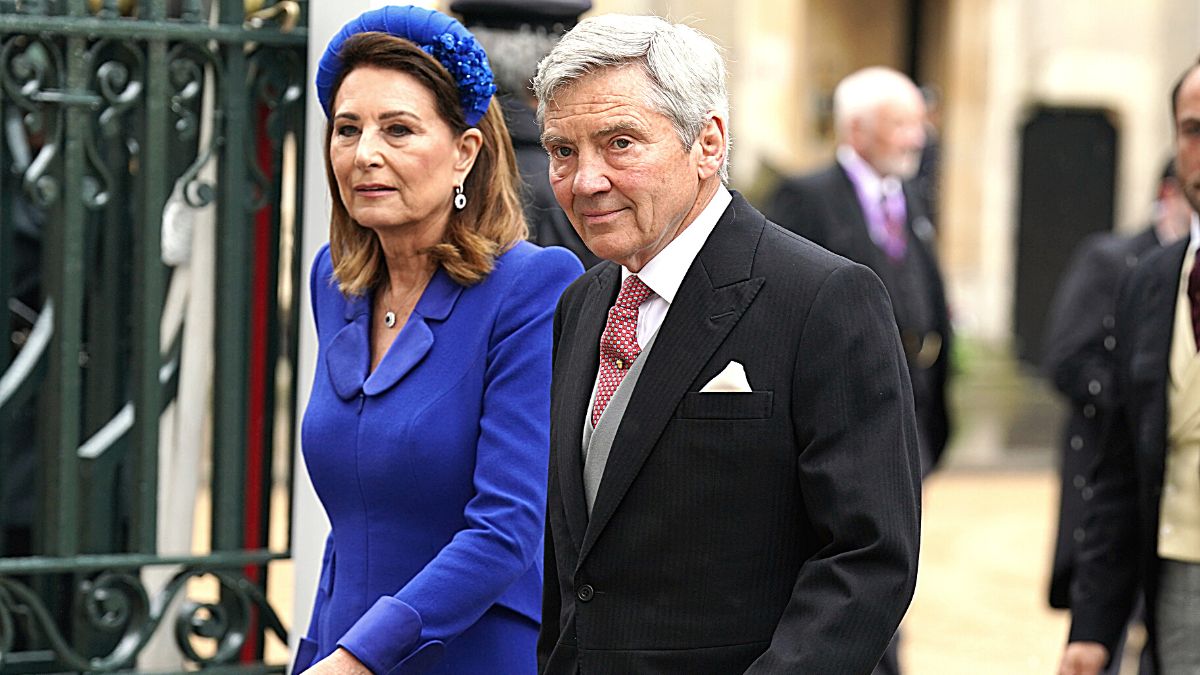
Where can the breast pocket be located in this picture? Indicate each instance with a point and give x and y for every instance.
(726, 405)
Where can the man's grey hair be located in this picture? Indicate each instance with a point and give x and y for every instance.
(859, 95)
(514, 54)
(684, 66)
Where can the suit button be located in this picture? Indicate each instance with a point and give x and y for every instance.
(585, 593)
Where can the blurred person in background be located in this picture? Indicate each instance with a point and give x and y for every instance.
(517, 34)
(1142, 525)
(1080, 339)
(866, 207)
(426, 435)
(929, 169)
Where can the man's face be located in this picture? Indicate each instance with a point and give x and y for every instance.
(1187, 138)
(891, 140)
(1174, 212)
(618, 169)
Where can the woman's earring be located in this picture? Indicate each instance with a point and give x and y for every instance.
(460, 200)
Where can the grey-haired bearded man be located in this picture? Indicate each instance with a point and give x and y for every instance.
(734, 476)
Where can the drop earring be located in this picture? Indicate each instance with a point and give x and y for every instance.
(460, 200)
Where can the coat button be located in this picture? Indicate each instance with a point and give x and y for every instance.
(1089, 411)
(1094, 388)
(1077, 442)
(585, 593)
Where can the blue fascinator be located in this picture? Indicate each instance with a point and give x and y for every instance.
(438, 35)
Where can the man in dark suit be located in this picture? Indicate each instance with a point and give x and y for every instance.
(516, 35)
(734, 477)
(864, 207)
(1080, 339)
(1142, 526)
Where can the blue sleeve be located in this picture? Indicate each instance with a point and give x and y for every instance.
(505, 517)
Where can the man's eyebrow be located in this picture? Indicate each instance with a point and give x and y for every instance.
(610, 130)
(552, 139)
(618, 128)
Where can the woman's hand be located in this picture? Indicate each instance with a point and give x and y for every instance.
(341, 662)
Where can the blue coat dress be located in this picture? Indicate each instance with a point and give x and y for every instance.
(432, 470)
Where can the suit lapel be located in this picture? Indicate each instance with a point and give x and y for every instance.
(856, 239)
(1154, 326)
(583, 361)
(714, 294)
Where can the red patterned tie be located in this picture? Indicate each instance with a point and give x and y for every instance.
(1193, 291)
(618, 344)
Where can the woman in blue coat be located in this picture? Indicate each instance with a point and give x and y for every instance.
(426, 435)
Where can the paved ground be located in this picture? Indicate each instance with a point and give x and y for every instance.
(980, 606)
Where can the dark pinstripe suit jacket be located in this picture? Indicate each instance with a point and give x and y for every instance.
(774, 531)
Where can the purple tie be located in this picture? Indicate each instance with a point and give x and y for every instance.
(895, 242)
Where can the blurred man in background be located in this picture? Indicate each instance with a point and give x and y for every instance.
(1079, 343)
(865, 207)
(517, 34)
(1142, 524)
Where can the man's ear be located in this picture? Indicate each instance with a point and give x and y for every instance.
(711, 144)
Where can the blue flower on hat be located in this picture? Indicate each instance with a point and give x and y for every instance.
(438, 35)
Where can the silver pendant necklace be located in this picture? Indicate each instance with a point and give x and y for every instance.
(389, 319)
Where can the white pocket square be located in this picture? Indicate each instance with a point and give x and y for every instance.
(731, 380)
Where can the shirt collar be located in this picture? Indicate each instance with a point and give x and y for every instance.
(664, 272)
(873, 185)
(1194, 230)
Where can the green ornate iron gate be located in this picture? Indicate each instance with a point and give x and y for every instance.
(120, 118)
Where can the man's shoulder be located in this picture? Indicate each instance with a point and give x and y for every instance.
(1154, 269)
(817, 180)
(783, 252)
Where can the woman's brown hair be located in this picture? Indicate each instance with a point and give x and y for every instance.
(492, 221)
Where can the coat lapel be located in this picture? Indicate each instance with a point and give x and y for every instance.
(349, 355)
(854, 241)
(583, 361)
(1153, 325)
(714, 294)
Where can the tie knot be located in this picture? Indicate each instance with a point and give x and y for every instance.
(633, 293)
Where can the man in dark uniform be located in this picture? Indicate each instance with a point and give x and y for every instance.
(517, 34)
(865, 208)
(1078, 345)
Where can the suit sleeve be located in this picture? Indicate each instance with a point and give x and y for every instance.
(551, 599)
(503, 521)
(1105, 583)
(859, 471)
(1075, 357)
